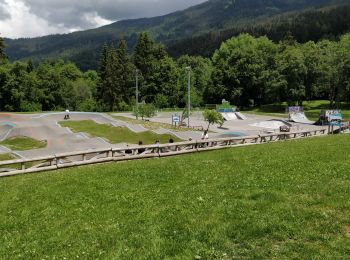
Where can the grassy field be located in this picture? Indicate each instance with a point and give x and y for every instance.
(151, 125)
(6, 157)
(23, 143)
(312, 109)
(280, 200)
(117, 134)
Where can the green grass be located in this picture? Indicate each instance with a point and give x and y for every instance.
(312, 109)
(152, 125)
(6, 157)
(117, 134)
(23, 143)
(280, 200)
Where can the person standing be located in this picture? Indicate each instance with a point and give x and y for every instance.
(205, 135)
(66, 116)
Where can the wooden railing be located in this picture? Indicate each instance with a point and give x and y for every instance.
(14, 167)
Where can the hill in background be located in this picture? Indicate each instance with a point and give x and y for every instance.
(174, 29)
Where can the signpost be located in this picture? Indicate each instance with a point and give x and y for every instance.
(175, 119)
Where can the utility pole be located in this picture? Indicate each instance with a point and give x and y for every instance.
(189, 94)
(137, 93)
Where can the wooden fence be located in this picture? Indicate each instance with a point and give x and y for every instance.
(21, 166)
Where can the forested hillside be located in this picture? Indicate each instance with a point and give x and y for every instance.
(245, 70)
(309, 25)
(230, 16)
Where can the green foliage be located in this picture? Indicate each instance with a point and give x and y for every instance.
(161, 101)
(2, 50)
(291, 66)
(201, 71)
(145, 110)
(213, 117)
(224, 105)
(268, 201)
(116, 74)
(117, 134)
(328, 22)
(158, 72)
(246, 71)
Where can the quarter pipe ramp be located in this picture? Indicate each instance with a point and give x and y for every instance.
(300, 118)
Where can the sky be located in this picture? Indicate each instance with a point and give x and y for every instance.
(31, 18)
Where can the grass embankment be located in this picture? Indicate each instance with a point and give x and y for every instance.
(280, 200)
(6, 157)
(152, 125)
(312, 109)
(23, 143)
(117, 134)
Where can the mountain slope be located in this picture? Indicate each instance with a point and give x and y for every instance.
(309, 25)
(210, 16)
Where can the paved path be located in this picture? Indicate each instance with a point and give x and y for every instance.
(230, 128)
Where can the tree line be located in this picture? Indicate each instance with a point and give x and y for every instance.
(245, 70)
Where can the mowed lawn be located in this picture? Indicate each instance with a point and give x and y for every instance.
(282, 200)
(22, 143)
(117, 134)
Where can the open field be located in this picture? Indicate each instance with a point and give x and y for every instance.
(117, 134)
(22, 143)
(312, 109)
(279, 200)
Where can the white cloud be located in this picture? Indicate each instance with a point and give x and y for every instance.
(21, 23)
(29, 18)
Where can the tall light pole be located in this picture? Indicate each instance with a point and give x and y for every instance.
(189, 94)
(137, 92)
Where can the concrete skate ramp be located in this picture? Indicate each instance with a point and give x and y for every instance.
(229, 116)
(233, 116)
(300, 118)
(97, 117)
(5, 129)
(240, 116)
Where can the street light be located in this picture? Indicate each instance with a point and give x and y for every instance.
(189, 94)
(137, 92)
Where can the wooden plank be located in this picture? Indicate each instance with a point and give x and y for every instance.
(149, 151)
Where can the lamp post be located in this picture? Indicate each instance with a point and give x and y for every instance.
(189, 94)
(137, 92)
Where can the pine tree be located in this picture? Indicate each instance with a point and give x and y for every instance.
(111, 89)
(126, 71)
(103, 61)
(30, 66)
(100, 89)
(144, 54)
(2, 49)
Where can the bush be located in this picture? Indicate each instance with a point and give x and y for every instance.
(213, 117)
(145, 110)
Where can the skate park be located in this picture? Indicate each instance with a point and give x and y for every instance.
(61, 139)
(66, 147)
(46, 127)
